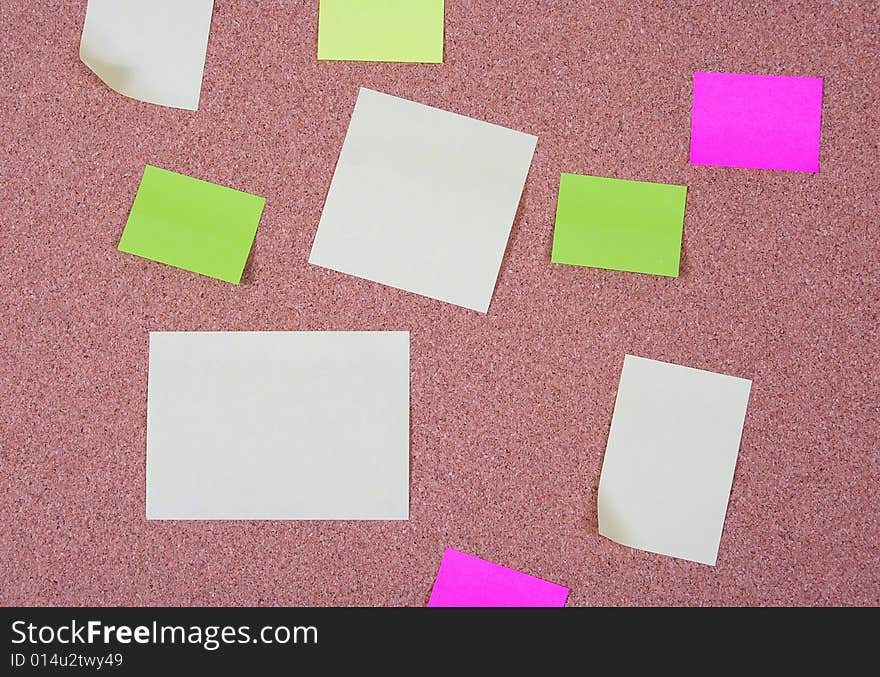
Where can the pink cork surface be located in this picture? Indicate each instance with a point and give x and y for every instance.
(510, 410)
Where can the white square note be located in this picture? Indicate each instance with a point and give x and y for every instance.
(423, 200)
(150, 51)
(278, 425)
(670, 458)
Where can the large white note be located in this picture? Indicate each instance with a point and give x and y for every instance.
(278, 425)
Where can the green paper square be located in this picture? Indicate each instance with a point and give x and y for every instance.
(633, 226)
(192, 224)
(381, 30)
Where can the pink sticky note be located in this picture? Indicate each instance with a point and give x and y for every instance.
(465, 580)
(756, 121)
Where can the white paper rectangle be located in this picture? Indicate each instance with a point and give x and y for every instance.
(670, 458)
(150, 51)
(278, 425)
(423, 200)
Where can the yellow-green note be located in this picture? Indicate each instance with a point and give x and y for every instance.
(192, 224)
(381, 30)
(619, 225)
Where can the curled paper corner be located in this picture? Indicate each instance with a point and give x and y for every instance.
(115, 76)
(152, 52)
(614, 526)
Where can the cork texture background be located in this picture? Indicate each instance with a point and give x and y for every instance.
(511, 410)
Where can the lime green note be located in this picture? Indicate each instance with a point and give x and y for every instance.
(192, 224)
(620, 225)
(381, 30)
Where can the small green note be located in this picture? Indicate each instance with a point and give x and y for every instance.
(619, 225)
(381, 30)
(192, 224)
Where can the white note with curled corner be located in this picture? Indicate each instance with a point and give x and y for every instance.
(150, 51)
(670, 458)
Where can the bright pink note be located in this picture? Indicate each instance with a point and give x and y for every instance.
(756, 121)
(465, 580)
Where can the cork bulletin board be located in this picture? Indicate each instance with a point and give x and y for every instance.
(510, 411)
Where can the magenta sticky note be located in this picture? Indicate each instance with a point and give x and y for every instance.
(756, 121)
(465, 580)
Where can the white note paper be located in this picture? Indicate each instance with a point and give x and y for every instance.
(423, 200)
(670, 458)
(150, 51)
(278, 425)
